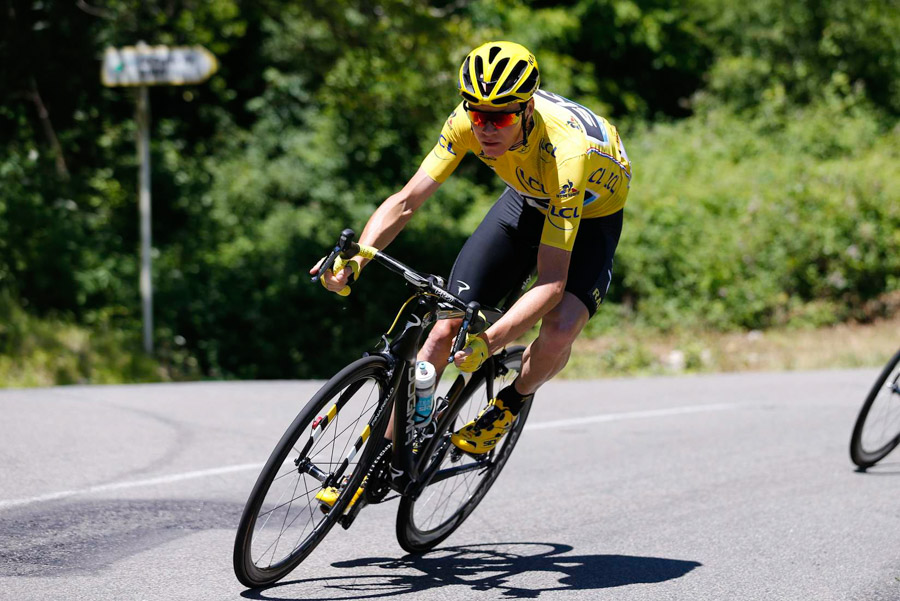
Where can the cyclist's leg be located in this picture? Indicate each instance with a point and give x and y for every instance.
(549, 352)
(495, 259)
(542, 360)
(437, 346)
(590, 272)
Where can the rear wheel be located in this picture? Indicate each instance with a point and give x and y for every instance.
(461, 480)
(877, 429)
(328, 444)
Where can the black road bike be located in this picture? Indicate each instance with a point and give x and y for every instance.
(330, 442)
(877, 429)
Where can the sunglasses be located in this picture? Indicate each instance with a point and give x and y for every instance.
(498, 119)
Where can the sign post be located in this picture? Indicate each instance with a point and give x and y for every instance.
(142, 116)
(142, 66)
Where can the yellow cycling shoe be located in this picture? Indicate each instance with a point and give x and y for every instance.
(327, 497)
(484, 432)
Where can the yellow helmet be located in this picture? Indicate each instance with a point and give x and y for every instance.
(499, 73)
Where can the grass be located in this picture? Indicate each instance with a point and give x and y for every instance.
(69, 354)
(46, 352)
(631, 351)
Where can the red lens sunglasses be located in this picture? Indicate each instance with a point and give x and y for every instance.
(497, 119)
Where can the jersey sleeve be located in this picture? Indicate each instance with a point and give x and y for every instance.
(566, 206)
(451, 147)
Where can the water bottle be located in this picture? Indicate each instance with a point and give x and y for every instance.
(424, 393)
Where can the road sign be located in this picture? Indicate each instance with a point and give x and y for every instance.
(144, 65)
(141, 66)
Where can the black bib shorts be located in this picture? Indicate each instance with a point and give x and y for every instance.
(503, 251)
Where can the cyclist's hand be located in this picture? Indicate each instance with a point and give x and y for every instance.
(473, 355)
(344, 273)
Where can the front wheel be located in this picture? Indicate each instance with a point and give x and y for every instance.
(325, 446)
(461, 480)
(877, 429)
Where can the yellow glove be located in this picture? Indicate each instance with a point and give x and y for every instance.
(479, 353)
(339, 265)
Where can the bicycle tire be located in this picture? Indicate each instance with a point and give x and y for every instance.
(364, 383)
(879, 419)
(417, 530)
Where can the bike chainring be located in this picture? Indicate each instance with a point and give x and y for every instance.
(379, 476)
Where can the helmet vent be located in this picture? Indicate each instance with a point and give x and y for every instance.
(529, 84)
(513, 77)
(466, 77)
(498, 73)
(499, 68)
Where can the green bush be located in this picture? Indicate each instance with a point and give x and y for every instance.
(763, 221)
(48, 351)
(773, 202)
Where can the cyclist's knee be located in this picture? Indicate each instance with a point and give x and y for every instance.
(561, 326)
(555, 340)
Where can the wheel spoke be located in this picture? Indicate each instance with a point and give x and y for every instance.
(882, 423)
(461, 479)
(286, 521)
(291, 500)
(877, 430)
(309, 521)
(286, 514)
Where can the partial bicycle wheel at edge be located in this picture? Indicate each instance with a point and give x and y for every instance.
(328, 442)
(462, 480)
(877, 429)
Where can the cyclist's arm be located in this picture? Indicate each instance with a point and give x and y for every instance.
(386, 222)
(554, 253)
(388, 219)
(548, 290)
(566, 205)
(391, 216)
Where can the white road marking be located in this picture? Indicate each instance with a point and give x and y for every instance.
(563, 423)
(614, 417)
(133, 484)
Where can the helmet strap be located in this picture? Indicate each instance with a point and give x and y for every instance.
(527, 126)
(525, 130)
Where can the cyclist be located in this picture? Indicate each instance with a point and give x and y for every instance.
(567, 177)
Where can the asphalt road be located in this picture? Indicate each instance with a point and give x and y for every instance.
(726, 487)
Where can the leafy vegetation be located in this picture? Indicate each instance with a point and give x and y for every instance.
(764, 137)
(46, 351)
(754, 223)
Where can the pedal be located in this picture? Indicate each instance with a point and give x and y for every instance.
(349, 516)
(328, 496)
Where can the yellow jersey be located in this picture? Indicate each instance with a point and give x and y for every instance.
(572, 166)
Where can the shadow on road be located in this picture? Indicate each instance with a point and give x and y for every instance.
(509, 570)
(88, 536)
(884, 468)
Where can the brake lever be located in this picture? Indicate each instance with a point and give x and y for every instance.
(471, 311)
(345, 245)
(326, 264)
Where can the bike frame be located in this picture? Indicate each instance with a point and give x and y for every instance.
(411, 474)
(408, 474)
